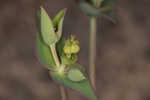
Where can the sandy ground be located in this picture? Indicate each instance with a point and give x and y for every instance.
(123, 51)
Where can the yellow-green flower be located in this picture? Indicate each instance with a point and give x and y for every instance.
(71, 46)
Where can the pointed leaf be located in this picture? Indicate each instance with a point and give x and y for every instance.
(106, 9)
(82, 87)
(43, 50)
(44, 53)
(108, 6)
(58, 22)
(58, 17)
(47, 29)
(88, 9)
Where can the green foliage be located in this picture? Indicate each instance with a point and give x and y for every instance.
(58, 22)
(51, 30)
(57, 19)
(105, 8)
(75, 75)
(43, 50)
(47, 28)
(69, 74)
(44, 53)
(59, 47)
(89, 9)
(82, 86)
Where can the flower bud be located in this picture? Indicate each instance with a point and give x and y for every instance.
(71, 46)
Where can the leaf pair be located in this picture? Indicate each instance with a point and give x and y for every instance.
(106, 9)
(51, 30)
(50, 33)
(47, 36)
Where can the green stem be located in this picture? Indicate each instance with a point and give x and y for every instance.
(54, 53)
(63, 94)
(92, 52)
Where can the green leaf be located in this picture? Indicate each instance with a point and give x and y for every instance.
(59, 17)
(75, 75)
(43, 50)
(89, 10)
(58, 22)
(82, 87)
(44, 53)
(47, 28)
(59, 47)
(105, 10)
(107, 6)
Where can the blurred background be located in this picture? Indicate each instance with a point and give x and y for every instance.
(123, 51)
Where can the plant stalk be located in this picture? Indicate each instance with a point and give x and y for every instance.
(55, 56)
(92, 52)
(63, 93)
(54, 53)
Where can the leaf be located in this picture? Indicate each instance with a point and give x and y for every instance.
(107, 8)
(47, 28)
(82, 87)
(43, 50)
(58, 22)
(59, 47)
(58, 17)
(44, 53)
(88, 9)
(75, 75)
